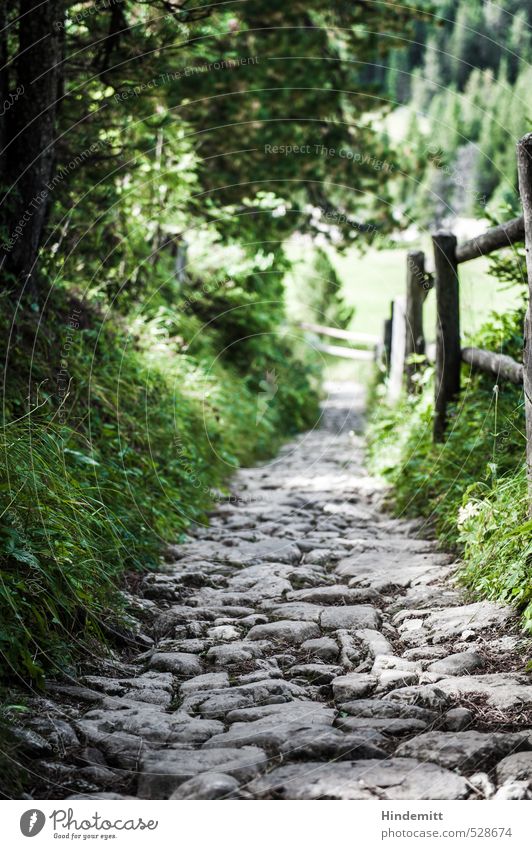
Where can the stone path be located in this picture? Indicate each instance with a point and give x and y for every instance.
(304, 646)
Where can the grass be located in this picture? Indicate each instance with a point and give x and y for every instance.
(100, 470)
(471, 488)
(371, 280)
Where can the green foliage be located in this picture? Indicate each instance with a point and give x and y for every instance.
(496, 534)
(471, 488)
(96, 479)
(471, 76)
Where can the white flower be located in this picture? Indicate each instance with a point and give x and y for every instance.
(472, 508)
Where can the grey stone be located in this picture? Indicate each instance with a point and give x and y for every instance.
(162, 772)
(353, 685)
(211, 785)
(218, 704)
(452, 622)
(516, 767)
(426, 653)
(388, 573)
(295, 740)
(208, 681)
(390, 727)
(483, 785)
(120, 749)
(301, 711)
(458, 719)
(285, 631)
(461, 663)
(97, 774)
(502, 690)
(156, 727)
(381, 709)
(396, 778)
(395, 671)
(316, 673)
(236, 653)
(57, 733)
(427, 696)
(333, 594)
(515, 790)
(31, 743)
(374, 642)
(179, 663)
(223, 632)
(350, 616)
(463, 750)
(389, 679)
(324, 647)
(319, 556)
(297, 610)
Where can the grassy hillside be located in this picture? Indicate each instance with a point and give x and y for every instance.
(117, 438)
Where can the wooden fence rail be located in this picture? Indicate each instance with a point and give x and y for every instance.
(407, 333)
(404, 345)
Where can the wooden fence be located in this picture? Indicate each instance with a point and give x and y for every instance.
(404, 334)
(403, 330)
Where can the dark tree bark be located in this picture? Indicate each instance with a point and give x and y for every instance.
(448, 350)
(30, 134)
(524, 167)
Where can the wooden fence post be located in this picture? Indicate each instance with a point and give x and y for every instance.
(415, 296)
(397, 358)
(524, 166)
(448, 352)
(387, 339)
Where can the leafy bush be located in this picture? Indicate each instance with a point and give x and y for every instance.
(112, 459)
(471, 488)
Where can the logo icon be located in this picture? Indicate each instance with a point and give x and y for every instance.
(32, 822)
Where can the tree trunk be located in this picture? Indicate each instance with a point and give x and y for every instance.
(524, 166)
(30, 134)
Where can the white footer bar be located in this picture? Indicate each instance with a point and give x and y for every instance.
(267, 825)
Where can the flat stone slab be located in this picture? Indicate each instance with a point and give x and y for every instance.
(450, 622)
(461, 663)
(386, 571)
(466, 751)
(179, 663)
(162, 772)
(350, 616)
(296, 740)
(516, 767)
(374, 641)
(381, 709)
(396, 778)
(285, 631)
(234, 653)
(297, 610)
(315, 673)
(323, 647)
(217, 703)
(502, 690)
(208, 785)
(354, 685)
(389, 727)
(209, 681)
(333, 594)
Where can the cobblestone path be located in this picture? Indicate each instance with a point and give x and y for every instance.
(303, 646)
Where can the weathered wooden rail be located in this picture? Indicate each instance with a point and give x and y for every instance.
(404, 334)
(403, 345)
